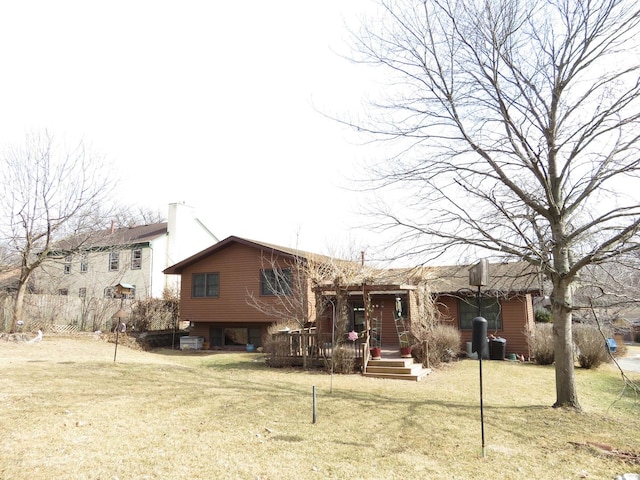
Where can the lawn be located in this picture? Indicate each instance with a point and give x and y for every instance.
(71, 412)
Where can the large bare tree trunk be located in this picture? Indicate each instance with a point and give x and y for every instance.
(566, 393)
(18, 307)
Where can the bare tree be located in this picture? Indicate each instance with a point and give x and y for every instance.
(49, 192)
(287, 292)
(291, 280)
(131, 216)
(514, 129)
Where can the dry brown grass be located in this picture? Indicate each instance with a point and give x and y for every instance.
(70, 412)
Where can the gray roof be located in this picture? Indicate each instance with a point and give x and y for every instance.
(286, 251)
(503, 277)
(118, 237)
(513, 277)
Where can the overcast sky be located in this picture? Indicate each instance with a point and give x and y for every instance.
(208, 103)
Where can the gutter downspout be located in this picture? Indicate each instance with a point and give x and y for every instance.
(151, 270)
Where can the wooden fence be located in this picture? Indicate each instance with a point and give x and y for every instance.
(67, 314)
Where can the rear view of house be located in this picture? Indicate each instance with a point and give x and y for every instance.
(217, 283)
(220, 286)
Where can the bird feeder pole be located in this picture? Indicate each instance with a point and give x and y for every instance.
(479, 276)
(119, 315)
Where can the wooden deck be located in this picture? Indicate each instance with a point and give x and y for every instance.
(319, 352)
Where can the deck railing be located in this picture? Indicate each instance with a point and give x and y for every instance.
(318, 347)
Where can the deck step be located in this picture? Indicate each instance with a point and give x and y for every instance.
(398, 369)
(393, 362)
(374, 369)
(403, 376)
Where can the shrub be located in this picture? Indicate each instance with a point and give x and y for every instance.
(442, 345)
(343, 359)
(540, 341)
(543, 315)
(277, 346)
(590, 346)
(153, 314)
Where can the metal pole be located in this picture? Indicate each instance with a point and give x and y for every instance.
(480, 353)
(333, 342)
(116, 350)
(315, 416)
(484, 451)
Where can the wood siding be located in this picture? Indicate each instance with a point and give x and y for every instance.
(517, 318)
(239, 268)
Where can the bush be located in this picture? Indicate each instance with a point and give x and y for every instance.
(590, 346)
(153, 314)
(279, 353)
(540, 340)
(343, 359)
(442, 342)
(277, 346)
(543, 315)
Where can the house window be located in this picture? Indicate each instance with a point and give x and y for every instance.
(206, 285)
(136, 259)
(276, 282)
(491, 311)
(82, 292)
(109, 292)
(114, 261)
(84, 263)
(63, 291)
(67, 264)
(226, 337)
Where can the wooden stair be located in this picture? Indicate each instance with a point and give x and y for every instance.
(396, 368)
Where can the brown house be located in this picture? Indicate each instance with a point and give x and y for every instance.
(221, 285)
(506, 301)
(217, 284)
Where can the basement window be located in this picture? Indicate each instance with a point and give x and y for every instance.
(236, 336)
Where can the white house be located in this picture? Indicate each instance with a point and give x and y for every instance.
(134, 256)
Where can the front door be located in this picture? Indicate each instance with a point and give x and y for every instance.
(357, 317)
